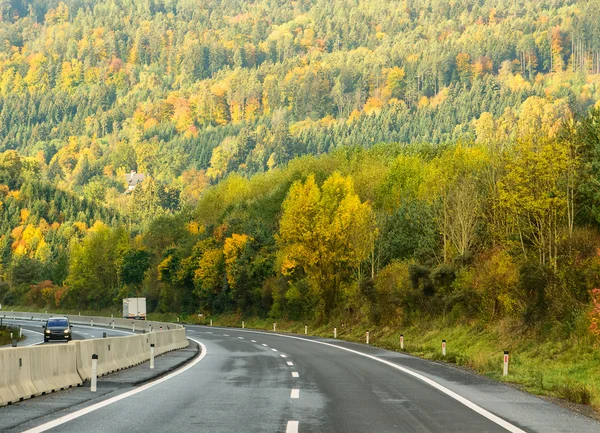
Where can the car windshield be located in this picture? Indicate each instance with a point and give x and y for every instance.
(57, 323)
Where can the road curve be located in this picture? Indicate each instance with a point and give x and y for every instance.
(32, 329)
(251, 381)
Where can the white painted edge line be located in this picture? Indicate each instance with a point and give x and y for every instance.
(95, 328)
(100, 405)
(292, 427)
(474, 407)
(274, 350)
(295, 393)
(290, 363)
(295, 374)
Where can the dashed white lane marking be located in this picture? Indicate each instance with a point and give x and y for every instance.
(290, 363)
(265, 345)
(274, 350)
(225, 335)
(292, 427)
(295, 393)
(254, 341)
(468, 403)
(100, 405)
(241, 338)
(295, 374)
(283, 356)
(208, 332)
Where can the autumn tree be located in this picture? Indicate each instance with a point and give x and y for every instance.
(324, 234)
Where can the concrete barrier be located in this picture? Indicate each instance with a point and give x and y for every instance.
(30, 371)
(6, 395)
(54, 367)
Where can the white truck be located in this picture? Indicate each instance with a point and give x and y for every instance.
(134, 308)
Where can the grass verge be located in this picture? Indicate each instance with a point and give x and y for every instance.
(542, 362)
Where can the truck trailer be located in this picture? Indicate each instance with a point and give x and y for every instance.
(134, 308)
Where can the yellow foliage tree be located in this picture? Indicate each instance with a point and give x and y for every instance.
(325, 233)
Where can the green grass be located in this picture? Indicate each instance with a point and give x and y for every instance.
(5, 335)
(544, 362)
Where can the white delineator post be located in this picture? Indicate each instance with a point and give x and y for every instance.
(402, 341)
(210, 322)
(334, 332)
(274, 326)
(505, 370)
(152, 356)
(243, 324)
(305, 330)
(444, 347)
(367, 337)
(91, 322)
(133, 326)
(20, 331)
(113, 324)
(94, 372)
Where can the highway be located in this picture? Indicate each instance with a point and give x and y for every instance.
(32, 329)
(252, 381)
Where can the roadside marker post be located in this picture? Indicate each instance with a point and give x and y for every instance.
(94, 373)
(367, 337)
(505, 370)
(91, 322)
(133, 326)
(20, 331)
(113, 324)
(210, 322)
(14, 340)
(274, 326)
(243, 324)
(334, 332)
(152, 356)
(402, 341)
(443, 347)
(305, 330)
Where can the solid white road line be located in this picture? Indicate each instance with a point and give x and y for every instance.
(295, 393)
(295, 374)
(474, 407)
(292, 427)
(290, 363)
(274, 350)
(100, 405)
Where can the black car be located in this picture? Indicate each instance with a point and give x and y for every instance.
(57, 328)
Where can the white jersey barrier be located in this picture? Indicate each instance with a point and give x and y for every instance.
(30, 371)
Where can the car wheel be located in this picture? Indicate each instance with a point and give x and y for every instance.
(45, 340)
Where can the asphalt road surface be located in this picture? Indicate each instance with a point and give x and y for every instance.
(250, 381)
(34, 332)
